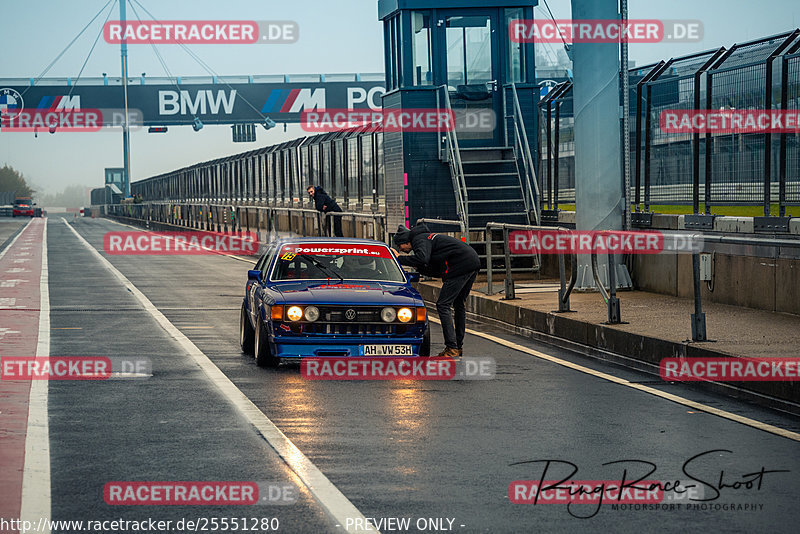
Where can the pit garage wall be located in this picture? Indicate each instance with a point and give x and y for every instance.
(765, 282)
(764, 278)
(415, 154)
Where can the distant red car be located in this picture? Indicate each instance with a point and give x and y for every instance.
(23, 207)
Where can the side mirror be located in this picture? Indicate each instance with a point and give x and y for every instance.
(254, 274)
(412, 277)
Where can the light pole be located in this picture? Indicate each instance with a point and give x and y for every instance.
(126, 142)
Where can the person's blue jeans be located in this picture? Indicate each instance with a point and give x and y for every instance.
(453, 296)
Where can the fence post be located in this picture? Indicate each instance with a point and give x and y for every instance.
(782, 156)
(647, 144)
(614, 315)
(489, 289)
(709, 147)
(698, 317)
(510, 293)
(562, 306)
(768, 139)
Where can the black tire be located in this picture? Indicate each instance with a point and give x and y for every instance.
(425, 348)
(263, 354)
(247, 333)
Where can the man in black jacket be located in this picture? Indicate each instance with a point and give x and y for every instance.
(325, 204)
(456, 263)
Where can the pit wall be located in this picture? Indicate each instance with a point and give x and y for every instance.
(760, 277)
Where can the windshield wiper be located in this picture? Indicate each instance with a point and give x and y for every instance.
(321, 266)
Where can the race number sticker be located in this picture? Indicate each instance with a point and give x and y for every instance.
(288, 256)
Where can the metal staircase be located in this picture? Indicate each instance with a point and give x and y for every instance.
(491, 184)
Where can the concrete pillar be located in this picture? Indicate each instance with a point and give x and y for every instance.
(598, 181)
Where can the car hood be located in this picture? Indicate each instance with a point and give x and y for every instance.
(349, 292)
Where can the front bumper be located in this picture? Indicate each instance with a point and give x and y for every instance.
(336, 347)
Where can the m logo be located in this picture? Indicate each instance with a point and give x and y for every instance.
(58, 103)
(294, 100)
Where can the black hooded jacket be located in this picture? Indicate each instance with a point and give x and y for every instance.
(439, 255)
(323, 199)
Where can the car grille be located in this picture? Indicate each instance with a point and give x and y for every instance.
(333, 321)
(350, 329)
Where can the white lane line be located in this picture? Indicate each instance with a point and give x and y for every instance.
(36, 474)
(8, 247)
(646, 389)
(328, 495)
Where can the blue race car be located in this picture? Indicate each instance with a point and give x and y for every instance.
(318, 297)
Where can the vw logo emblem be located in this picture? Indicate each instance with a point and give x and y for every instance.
(350, 314)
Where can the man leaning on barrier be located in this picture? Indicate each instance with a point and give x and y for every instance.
(324, 203)
(456, 263)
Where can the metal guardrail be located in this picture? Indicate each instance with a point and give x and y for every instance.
(453, 156)
(609, 296)
(446, 222)
(510, 293)
(231, 218)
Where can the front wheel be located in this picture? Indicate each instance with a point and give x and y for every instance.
(425, 348)
(263, 354)
(246, 332)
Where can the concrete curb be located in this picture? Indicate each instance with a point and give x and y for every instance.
(608, 343)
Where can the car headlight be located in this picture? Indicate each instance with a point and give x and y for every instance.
(388, 315)
(405, 315)
(295, 313)
(312, 313)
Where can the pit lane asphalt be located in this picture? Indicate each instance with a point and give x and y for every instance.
(396, 448)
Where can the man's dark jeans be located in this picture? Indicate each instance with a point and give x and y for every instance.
(454, 293)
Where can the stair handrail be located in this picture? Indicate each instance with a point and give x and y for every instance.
(456, 166)
(527, 158)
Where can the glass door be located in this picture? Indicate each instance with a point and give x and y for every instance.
(471, 42)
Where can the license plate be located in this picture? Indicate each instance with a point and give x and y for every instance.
(386, 350)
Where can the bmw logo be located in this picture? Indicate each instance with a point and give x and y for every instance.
(11, 103)
(350, 314)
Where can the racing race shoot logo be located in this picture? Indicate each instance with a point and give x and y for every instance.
(179, 243)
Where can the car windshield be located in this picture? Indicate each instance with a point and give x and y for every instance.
(345, 261)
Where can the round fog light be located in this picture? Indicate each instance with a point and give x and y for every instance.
(312, 313)
(405, 315)
(295, 313)
(388, 315)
